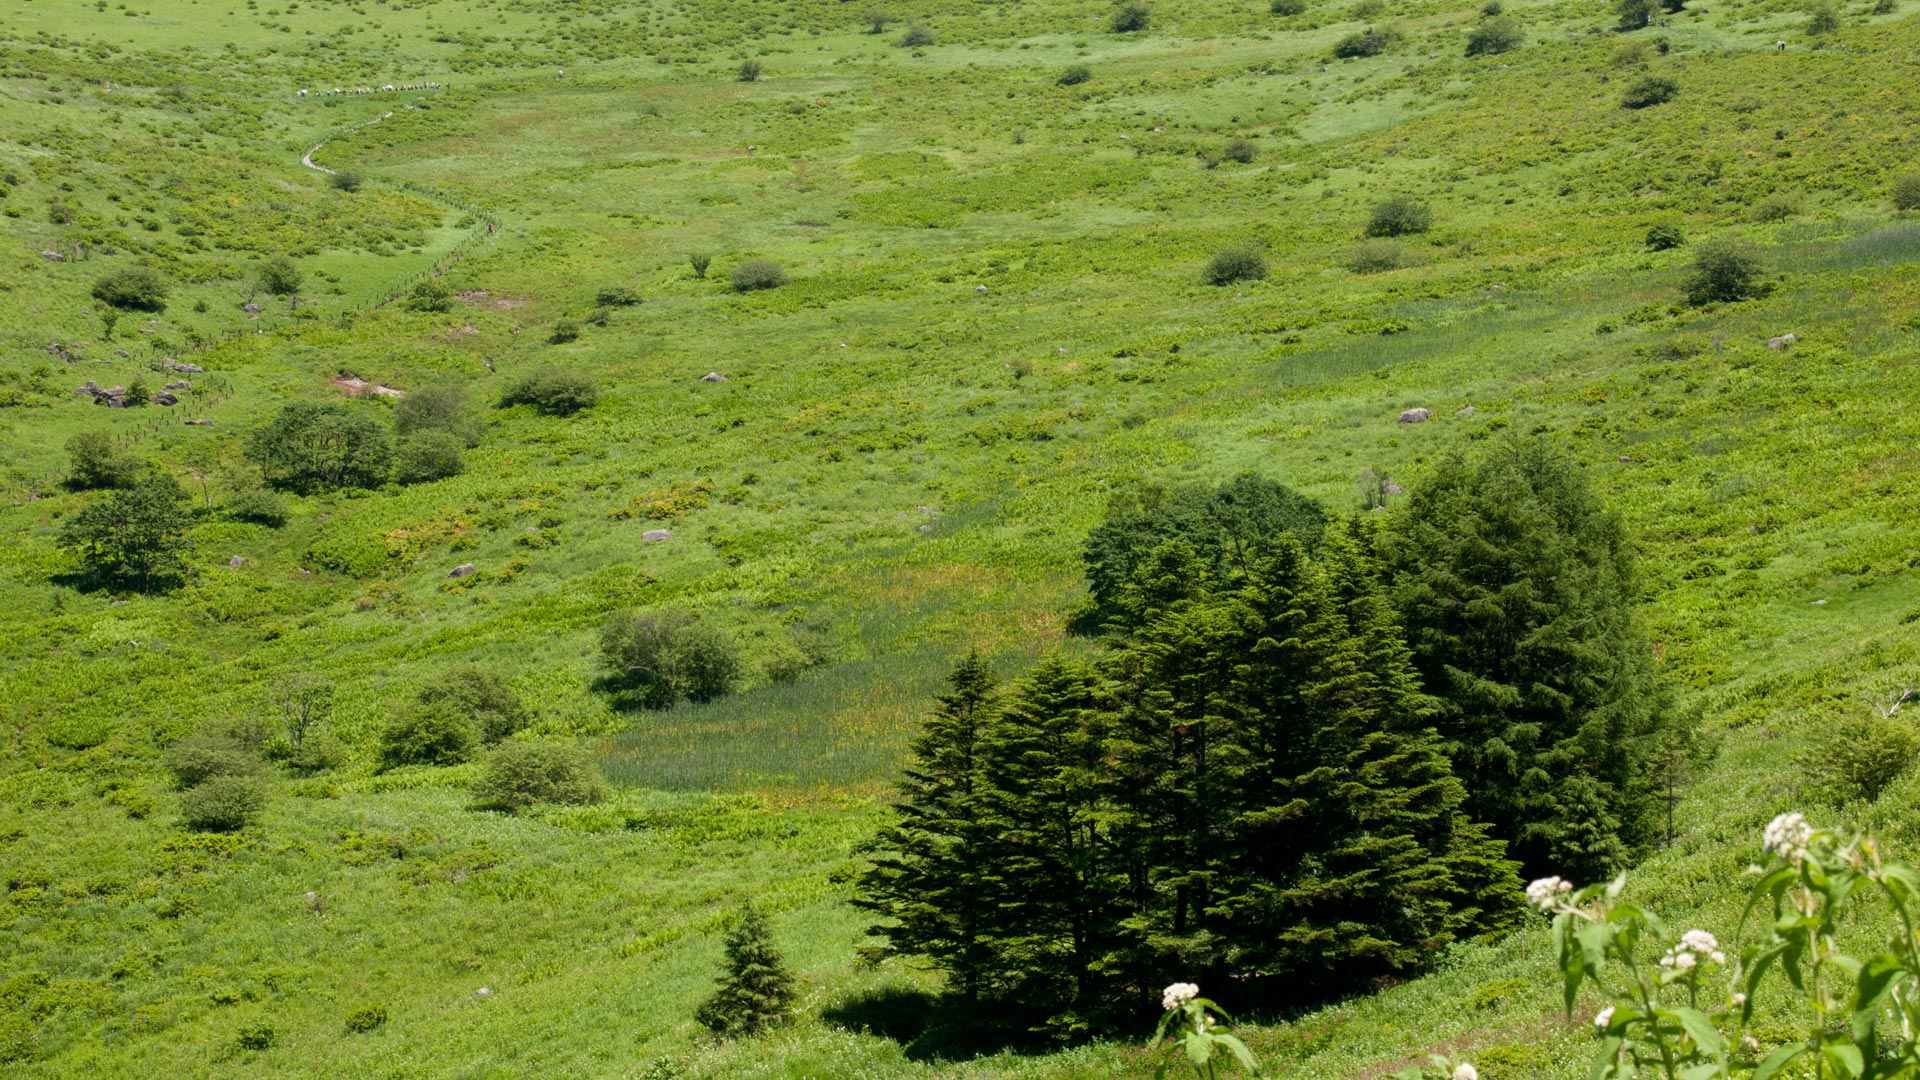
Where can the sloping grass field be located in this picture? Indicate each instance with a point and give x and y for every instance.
(995, 319)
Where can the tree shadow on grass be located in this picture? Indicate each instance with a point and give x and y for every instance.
(934, 1027)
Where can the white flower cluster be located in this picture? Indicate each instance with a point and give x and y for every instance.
(1788, 836)
(1547, 892)
(1177, 995)
(1695, 946)
(1464, 1071)
(1604, 1018)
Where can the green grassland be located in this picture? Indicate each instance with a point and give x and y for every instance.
(995, 319)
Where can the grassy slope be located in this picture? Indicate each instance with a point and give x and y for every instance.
(892, 185)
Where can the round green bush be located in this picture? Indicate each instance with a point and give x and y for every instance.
(749, 71)
(666, 657)
(1905, 191)
(1496, 35)
(279, 276)
(224, 803)
(916, 37)
(754, 274)
(203, 756)
(346, 180)
(1363, 43)
(1778, 207)
(427, 456)
(1723, 271)
(428, 733)
(1240, 150)
(1823, 19)
(366, 1018)
(259, 506)
(523, 774)
(616, 296)
(564, 331)
(429, 294)
(1665, 237)
(1075, 74)
(1131, 17)
(1288, 7)
(257, 1037)
(1400, 215)
(553, 391)
(483, 696)
(1649, 91)
(132, 288)
(1242, 262)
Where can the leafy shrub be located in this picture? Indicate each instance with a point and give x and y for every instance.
(877, 21)
(699, 261)
(257, 1037)
(749, 71)
(1240, 150)
(1496, 35)
(916, 36)
(1288, 7)
(1778, 207)
(1823, 19)
(1401, 215)
(752, 274)
(132, 288)
(1369, 42)
(433, 733)
(616, 296)
(224, 803)
(136, 536)
(199, 758)
(1376, 256)
(429, 294)
(346, 180)
(666, 657)
(309, 446)
(18, 1039)
(563, 331)
(427, 456)
(259, 506)
(437, 407)
(138, 393)
(523, 774)
(1723, 270)
(553, 391)
(280, 276)
(482, 696)
(1242, 262)
(1130, 17)
(1492, 8)
(1856, 759)
(366, 1018)
(1075, 74)
(97, 464)
(1665, 237)
(1649, 91)
(1905, 191)
(1633, 14)
(1367, 9)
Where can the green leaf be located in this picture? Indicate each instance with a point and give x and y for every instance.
(1240, 1053)
(1875, 980)
(1844, 1058)
(1703, 1072)
(1705, 1035)
(1778, 1060)
(1199, 1049)
(1607, 1064)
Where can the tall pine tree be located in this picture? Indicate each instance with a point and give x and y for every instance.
(1516, 587)
(927, 878)
(1052, 870)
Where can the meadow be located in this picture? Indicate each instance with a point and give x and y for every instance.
(996, 319)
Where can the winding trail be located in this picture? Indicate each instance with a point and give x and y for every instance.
(307, 158)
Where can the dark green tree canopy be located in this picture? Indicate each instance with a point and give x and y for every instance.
(97, 463)
(135, 537)
(440, 406)
(1159, 545)
(669, 656)
(484, 697)
(1515, 586)
(756, 991)
(310, 447)
(132, 288)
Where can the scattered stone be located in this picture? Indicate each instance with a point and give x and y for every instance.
(462, 570)
(53, 256)
(1820, 603)
(122, 353)
(236, 563)
(1415, 416)
(979, 288)
(251, 309)
(179, 384)
(199, 423)
(89, 389)
(166, 398)
(713, 376)
(1628, 459)
(1466, 410)
(1782, 341)
(483, 993)
(656, 535)
(185, 369)
(1391, 488)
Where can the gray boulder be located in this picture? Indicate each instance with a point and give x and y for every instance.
(461, 571)
(1415, 416)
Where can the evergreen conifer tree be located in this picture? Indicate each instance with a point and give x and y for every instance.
(756, 991)
(1052, 871)
(1515, 587)
(926, 877)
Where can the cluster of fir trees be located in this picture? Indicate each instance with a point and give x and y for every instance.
(1297, 771)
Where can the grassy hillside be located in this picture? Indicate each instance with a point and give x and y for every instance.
(996, 318)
